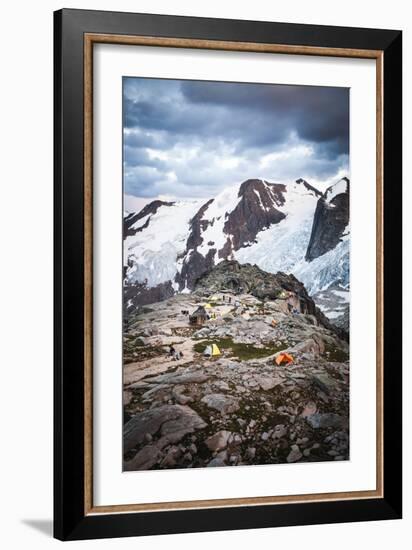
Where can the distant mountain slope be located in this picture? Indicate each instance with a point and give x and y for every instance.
(292, 228)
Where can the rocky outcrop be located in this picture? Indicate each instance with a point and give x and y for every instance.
(330, 220)
(309, 187)
(193, 267)
(255, 211)
(139, 294)
(246, 278)
(197, 226)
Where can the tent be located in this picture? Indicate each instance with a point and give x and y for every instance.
(211, 350)
(284, 359)
(274, 323)
(207, 306)
(214, 298)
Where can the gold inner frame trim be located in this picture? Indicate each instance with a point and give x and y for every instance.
(89, 40)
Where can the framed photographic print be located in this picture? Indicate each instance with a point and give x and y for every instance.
(227, 274)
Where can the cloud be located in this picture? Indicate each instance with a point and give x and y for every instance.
(193, 138)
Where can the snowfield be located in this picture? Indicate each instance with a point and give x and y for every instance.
(154, 251)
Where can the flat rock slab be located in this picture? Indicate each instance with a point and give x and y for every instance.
(167, 419)
(197, 377)
(222, 403)
(268, 382)
(324, 382)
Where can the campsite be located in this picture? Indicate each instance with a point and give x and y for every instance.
(224, 377)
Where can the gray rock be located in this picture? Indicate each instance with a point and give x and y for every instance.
(222, 403)
(309, 409)
(216, 462)
(144, 459)
(197, 377)
(169, 419)
(327, 420)
(251, 453)
(267, 382)
(171, 458)
(324, 382)
(218, 441)
(294, 454)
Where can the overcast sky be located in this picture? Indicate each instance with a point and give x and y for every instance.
(191, 139)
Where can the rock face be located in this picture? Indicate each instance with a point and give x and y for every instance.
(330, 221)
(256, 210)
(139, 294)
(343, 320)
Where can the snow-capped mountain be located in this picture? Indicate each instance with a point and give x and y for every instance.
(293, 228)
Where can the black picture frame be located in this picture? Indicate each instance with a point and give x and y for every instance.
(71, 522)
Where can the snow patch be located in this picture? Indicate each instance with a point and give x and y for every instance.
(337, 189)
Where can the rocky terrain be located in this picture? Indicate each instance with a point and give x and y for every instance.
(238, 407)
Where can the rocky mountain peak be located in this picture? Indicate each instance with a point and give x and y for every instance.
(312, 190)
(330, 221)
(130, 225)
(257, 209)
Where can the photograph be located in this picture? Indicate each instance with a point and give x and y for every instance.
(236, 273)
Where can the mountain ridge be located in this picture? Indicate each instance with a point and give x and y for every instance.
(279, 227)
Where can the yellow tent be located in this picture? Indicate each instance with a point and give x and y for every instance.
(207, 306)
(211, 350)
(215, 350)
(214, 298)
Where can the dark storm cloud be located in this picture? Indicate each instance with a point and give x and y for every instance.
(193, 138)
(317, 114)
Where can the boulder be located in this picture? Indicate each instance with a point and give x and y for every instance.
(267, 382)
(222, 403)
(218, 441)
(169, 419)
(294, 454)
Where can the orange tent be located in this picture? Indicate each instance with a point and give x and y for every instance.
(284, 359)
(274, 323)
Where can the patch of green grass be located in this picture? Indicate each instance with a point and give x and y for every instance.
(243, 351)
